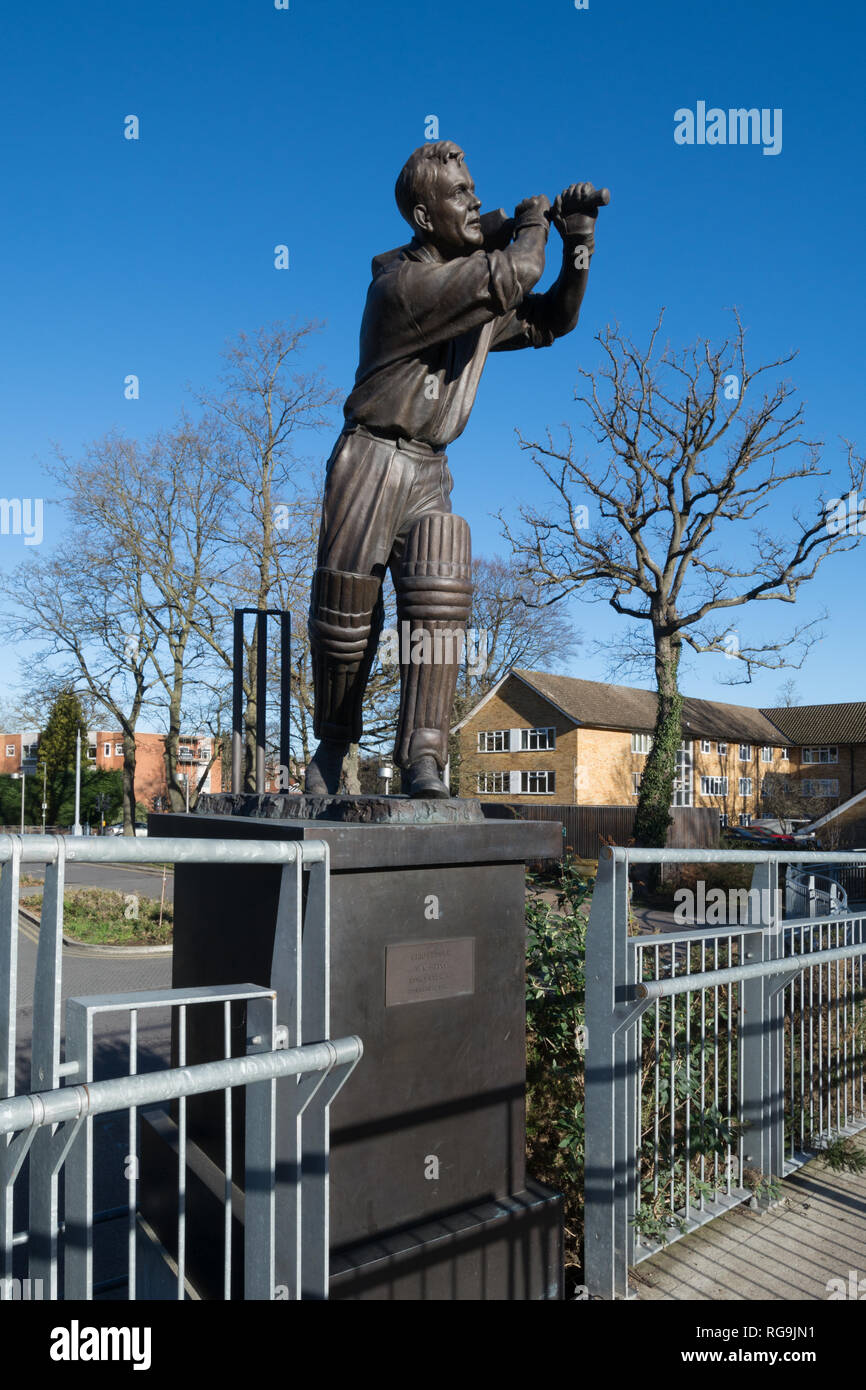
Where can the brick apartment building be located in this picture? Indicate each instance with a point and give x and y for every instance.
(557, 739)
(103, 749)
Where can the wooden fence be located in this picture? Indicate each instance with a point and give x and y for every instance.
(586, 828)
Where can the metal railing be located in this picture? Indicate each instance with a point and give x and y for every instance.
(809, 894)
(719, 1058)
(285, 1235)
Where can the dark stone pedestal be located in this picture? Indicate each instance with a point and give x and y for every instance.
(429, 1197)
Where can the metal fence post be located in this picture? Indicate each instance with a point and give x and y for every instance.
(761, 1043)
(78, 1264)
(611, 1126)
(260, 1160)
(45, 1075)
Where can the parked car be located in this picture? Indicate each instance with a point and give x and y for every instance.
(117, 828)
(754, 837)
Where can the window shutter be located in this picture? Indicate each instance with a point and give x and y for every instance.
(514, 783)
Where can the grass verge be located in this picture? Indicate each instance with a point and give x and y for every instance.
(98, 917)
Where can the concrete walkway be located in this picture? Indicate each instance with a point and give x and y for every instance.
(795, 1251)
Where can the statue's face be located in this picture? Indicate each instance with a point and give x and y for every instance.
(454, 224)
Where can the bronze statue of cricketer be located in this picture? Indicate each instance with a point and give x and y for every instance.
(435, 309)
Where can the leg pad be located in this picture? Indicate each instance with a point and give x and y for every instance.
(346, 614)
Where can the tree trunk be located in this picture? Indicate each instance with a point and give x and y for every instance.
(128, 784)
(653, 817)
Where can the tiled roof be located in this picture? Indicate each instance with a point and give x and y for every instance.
(845, 723)
(603, 706)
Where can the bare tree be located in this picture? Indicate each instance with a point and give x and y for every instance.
(264, 404)
(690, 449)
(159, 508)
(789, 694)
(85, 604)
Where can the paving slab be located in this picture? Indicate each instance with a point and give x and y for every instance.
(795, 1251)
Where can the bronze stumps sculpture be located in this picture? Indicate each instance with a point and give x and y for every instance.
(435, 308)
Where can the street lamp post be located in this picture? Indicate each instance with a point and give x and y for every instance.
(76, 829)
(22, 778)
(44, 794)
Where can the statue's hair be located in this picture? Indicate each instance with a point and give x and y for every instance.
(419, 174)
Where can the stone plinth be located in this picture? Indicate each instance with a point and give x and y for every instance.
(427, 1136)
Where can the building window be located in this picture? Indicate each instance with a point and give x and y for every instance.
(745, 818)
(683, 775)
(537, 740)
(106, 748)
(745, 752)
(118, 750)
(722, 747)
(821, 786)
(537, 783)
(494, 740)
(745, 786)
(492, 782)
(714, 786)
(706, 746)
(783, 754)
(10, 750)
(91, 750)
(641, 743)
(635, 777)
(723, 819)
(766, 754)
(826, 753)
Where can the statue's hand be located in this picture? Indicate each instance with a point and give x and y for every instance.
(532, 209)
(573, 212)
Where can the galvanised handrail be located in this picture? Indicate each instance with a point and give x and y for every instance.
(30, 1112)
(54, 1123)
(803, 887)
(717, 1056)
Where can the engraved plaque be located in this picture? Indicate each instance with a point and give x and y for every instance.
(419, 970)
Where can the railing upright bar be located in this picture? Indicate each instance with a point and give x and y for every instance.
(132, 1163)
(229, 1161)
(607, 1163)
(9, 881)
(287, 981)
(657, 1079)
(10, 1156)
(260, 1160)
(78, 1241)
(45, 1075)
(316, 987)
(686, 1159)
(729, 1032)
(181, 1159)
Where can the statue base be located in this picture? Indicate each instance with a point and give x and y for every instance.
(429, 1194)
(344, 810)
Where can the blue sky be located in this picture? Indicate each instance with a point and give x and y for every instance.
(261, 126)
